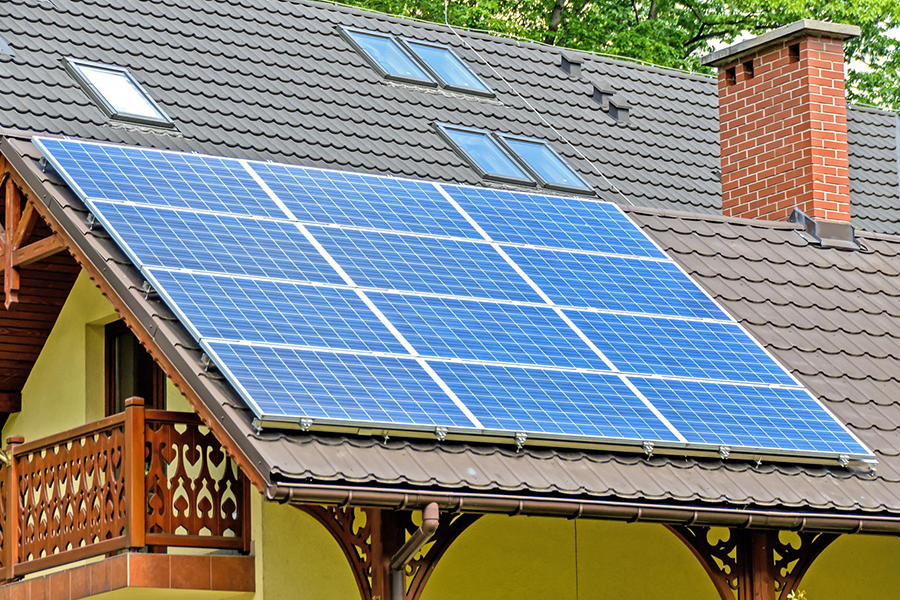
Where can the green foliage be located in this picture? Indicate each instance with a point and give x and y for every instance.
(678, 34)
(794, 595)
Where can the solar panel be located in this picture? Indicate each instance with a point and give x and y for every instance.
(353, 199)
(679, 348)
(174, 179)
(553, 402)
(181, 239)
(615, 284)
(274, 312)
(369, 302)
(342, 387)
(422, 264)
(553, 221)
(748, 416)
(486, 331)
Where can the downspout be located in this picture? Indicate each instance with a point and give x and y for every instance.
(430, 522)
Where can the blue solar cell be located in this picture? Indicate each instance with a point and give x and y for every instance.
(147, 176)
(257, 310)
(554, 402)
(239, 246)
(748, 416)
(422, 264)
(524, 218)
(294, 383)
(358, 200)
(489, 331)
(613, 283)
(680, 348)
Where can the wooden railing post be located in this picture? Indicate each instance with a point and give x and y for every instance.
(135, 493)
(11, 527)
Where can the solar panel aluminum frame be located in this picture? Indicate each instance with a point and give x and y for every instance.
(587, 190)
(442, 130)
(346, 32)
(509, 437)
(406, 42)
(72, 66)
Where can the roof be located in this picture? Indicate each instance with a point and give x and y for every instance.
(274, 79)
(270, 79)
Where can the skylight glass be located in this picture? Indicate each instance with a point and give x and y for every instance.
(118, 92)
(448, 67)
(486, 154)
(546, 163)
(389, 56)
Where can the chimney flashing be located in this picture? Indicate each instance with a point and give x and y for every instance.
(827, 234)
(797, 29)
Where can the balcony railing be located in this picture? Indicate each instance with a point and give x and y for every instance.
(140, 479)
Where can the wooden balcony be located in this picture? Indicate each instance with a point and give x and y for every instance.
(143, 480)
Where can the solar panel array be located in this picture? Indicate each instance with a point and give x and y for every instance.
(360, 300)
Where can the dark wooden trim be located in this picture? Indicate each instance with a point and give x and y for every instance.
(69, 556)
(10, 402)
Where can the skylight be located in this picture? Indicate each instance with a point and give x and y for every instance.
(389, 57)
(448, 67)
(543, 160)
(118, 92)
(486, 154)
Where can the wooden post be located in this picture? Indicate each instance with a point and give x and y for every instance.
(757, 565)
(10, 273)
(135, 493)
(11, 527)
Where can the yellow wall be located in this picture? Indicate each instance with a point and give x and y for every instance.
(856, 567)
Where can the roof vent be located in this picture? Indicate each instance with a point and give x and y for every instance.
(614, 105)
(827, 234)
(571, 64)
(5, 48)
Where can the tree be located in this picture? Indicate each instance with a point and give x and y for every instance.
(678, 33)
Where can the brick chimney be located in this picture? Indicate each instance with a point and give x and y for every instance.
(783, 123)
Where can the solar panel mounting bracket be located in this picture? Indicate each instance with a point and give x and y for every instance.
(440, 433)
(306, 424)
(149, 291)
(648, 448)
(844, 460)
(521, 436)
(724, 452)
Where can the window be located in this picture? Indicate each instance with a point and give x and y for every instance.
(485, 154)
(130, 371)
(448, 67)
(117, 92)
(514, 159)
(544, 162)
(389, 57)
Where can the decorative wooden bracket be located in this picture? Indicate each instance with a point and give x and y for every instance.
(370, 536)
(753, 564)
(18, 226)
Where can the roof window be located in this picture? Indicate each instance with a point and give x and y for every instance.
(389, 57)
(545, 163)
(413, 61)
(117, 92)
(448, 68)
(514, 159)
(486, 154)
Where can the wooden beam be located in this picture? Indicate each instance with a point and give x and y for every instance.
(38, 251)
(10, 402)
(26, 225)
(11, 274)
